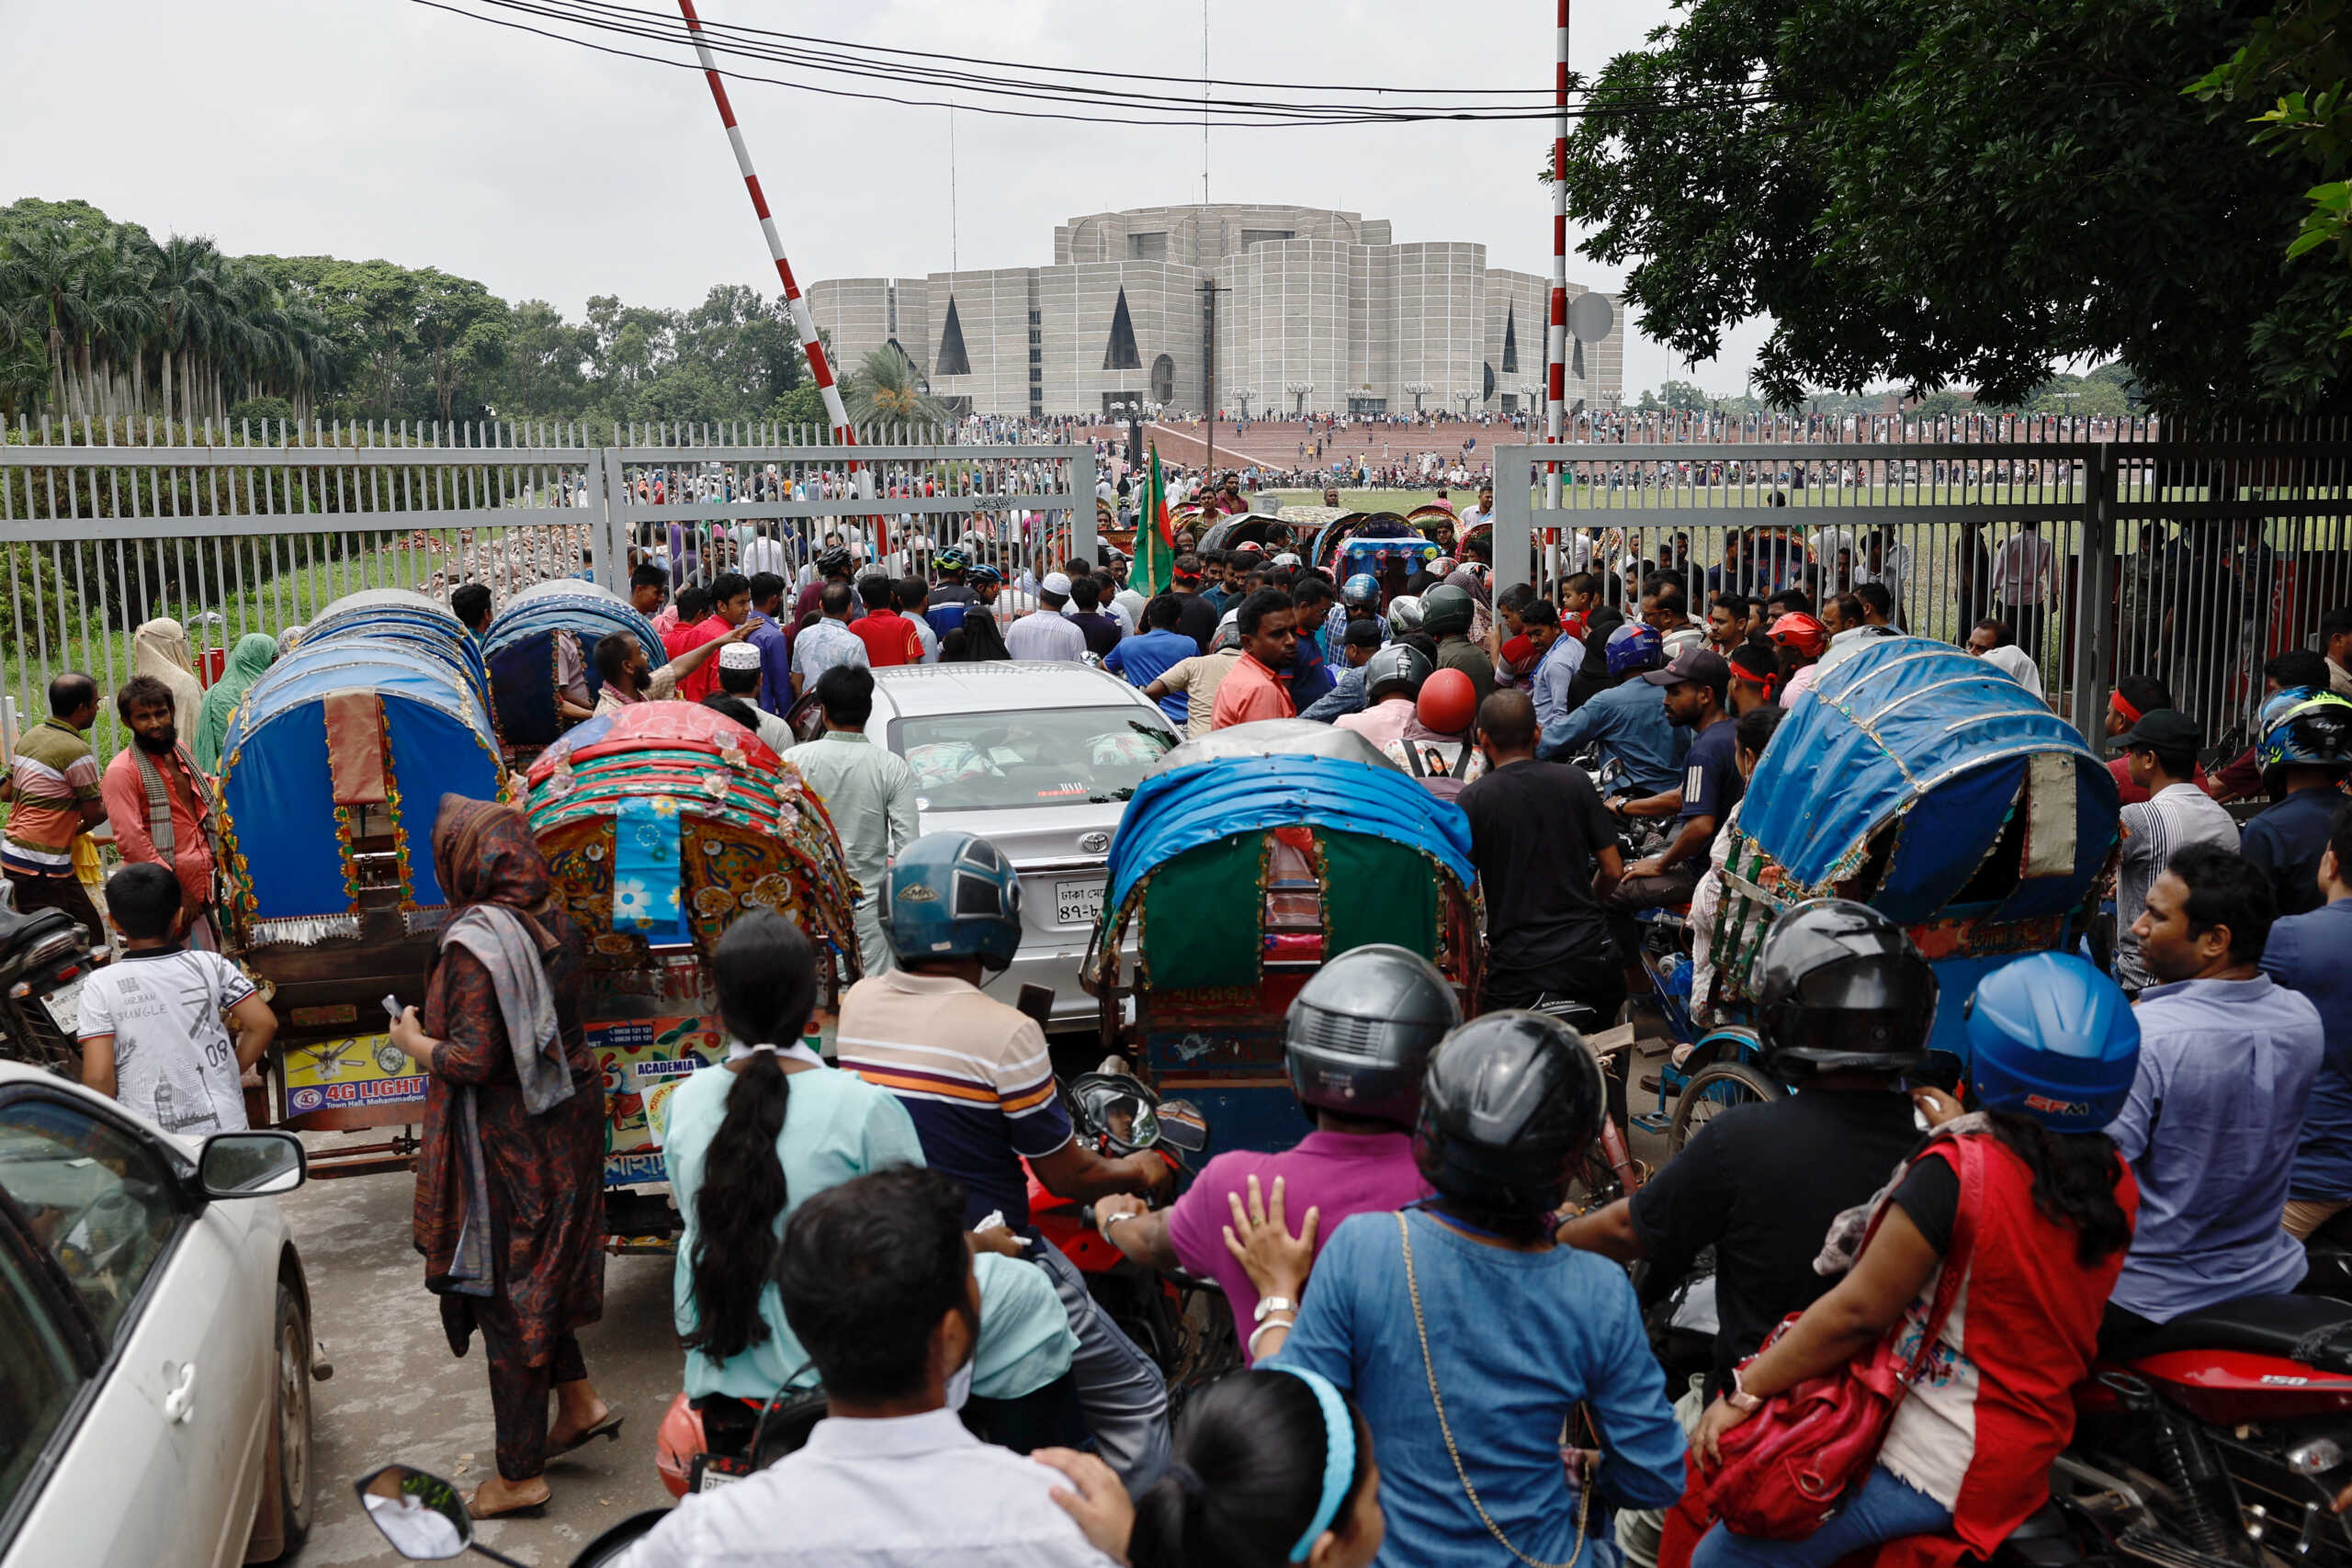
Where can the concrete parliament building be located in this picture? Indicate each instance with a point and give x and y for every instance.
(1316, 311)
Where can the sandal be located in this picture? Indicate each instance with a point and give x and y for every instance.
(519, 1510)
(608, 1426)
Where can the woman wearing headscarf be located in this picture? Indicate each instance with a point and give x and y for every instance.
(509, 1177)
(159, 648)
(253, 653)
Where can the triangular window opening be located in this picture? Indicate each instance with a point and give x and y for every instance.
(953, 360)
(1120, 353)
(1510, 342)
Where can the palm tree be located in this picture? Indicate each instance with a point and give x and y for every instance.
(886, 392)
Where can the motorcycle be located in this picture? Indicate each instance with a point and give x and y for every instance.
(2225, 1439)
(424, 1520)
(1179, 1319)
(44, 958)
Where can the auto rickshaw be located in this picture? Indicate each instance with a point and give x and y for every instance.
(522, 652)
(1243, 862)
(332, 771)
(1270, 534)
(1919, 780)
(660, 825)
(403, 615)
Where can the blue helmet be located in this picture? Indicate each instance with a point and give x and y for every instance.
(2303, 728)
(949, 558)
(1635, 647)
(2050, 1037)
(1361, 592)
(952, 895)
(982, 575)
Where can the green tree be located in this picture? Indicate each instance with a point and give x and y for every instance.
(888, 392)
(1958, 192)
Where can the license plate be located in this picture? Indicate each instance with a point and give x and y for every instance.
(1077, 903)
(712, 1471)
(64, 1005)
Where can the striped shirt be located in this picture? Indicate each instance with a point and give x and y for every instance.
(972, 1073)
(2153, 832)
(55, 772)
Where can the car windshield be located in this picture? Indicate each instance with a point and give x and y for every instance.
(1046, 757)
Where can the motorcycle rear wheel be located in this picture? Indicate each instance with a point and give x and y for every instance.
(1714, 1088)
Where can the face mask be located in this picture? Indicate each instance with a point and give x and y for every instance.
(959, 1386)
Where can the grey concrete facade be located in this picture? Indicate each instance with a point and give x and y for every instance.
(1319, 311)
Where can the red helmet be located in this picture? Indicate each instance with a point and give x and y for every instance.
(1448, 703)
(674, 1447)
(1801, 632)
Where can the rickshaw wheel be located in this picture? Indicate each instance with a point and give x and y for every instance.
(1714, 1090)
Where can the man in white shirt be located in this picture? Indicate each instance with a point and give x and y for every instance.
(1047, 633)
(2162, 748)
(2024, 581)
(762, 553)
(876, 1282)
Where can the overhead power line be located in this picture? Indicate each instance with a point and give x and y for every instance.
(1070, 101)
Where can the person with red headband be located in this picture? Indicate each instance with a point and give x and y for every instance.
(1802, 640)
(1755, 678)
(2134, 696)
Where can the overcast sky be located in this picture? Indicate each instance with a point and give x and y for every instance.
(383, 128)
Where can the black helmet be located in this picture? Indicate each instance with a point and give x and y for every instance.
(1399, 667)
(1841, 988)
(1510, 1100)
(1362, 1029)
(1447, 608)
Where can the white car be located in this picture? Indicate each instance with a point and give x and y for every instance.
(154, 1338)
(1038, 758)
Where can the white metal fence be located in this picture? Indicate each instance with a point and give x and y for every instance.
(2195, 557)
(104, 527)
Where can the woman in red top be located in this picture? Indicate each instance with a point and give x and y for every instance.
(2028, 1196)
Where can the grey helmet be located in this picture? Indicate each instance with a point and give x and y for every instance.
(1361, 1031)
(1400, 664)
(1405, 614)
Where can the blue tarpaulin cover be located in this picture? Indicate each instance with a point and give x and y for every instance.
(1905, 719)
(522, 661)
(1188, 807)
(276, 791)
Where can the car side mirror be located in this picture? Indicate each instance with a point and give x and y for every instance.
(251, 1165)
(423, 1516)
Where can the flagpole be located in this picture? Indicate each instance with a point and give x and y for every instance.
(1556, 336)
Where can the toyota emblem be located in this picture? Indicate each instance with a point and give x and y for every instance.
(1094, 844)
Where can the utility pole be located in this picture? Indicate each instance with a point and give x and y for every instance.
(1210, 289)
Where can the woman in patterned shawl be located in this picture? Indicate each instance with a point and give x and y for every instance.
(509, 1177)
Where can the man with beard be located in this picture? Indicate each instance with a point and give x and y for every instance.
(157, 801)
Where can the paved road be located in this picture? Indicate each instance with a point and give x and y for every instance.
(398, 1393)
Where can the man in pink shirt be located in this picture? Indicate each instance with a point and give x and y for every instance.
(1359, 1035)
(1258, 686)
(1392, 679)
(158, 802)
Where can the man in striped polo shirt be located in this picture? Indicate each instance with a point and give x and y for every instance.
(2162, 750)
(975, 1078)
(53, 795)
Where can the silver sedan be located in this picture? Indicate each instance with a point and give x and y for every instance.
(1039, 759)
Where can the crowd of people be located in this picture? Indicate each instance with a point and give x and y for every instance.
(1422, 1313)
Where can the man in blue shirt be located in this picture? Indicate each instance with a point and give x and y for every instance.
(1627, 721)
(2227, 1060)
(1346, 695)
(1558, 658)
(1144, 658)
(1310, 678)
(774, 641)
(2306, 752)
(2312, 954)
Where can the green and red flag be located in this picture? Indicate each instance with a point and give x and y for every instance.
(1154, 568)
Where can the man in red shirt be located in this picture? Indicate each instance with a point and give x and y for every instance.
(1258, 686)
(889, 638)
(730, 605)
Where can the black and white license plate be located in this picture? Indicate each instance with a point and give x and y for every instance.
(1077, 903)
(64, 1005)
(712, 1471)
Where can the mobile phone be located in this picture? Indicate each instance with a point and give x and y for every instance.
(392, 1006)
(1038, 1002)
